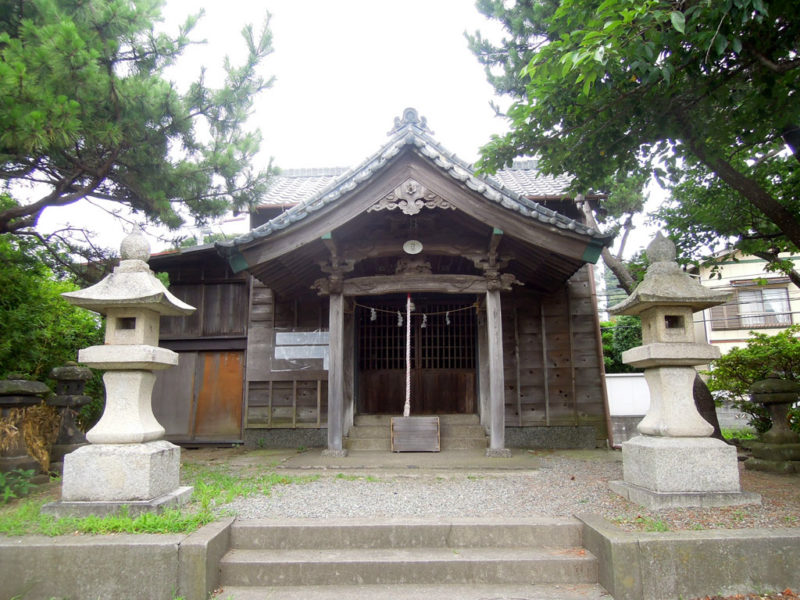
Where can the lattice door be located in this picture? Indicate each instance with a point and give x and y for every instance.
(443, 350)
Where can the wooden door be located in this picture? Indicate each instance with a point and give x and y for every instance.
(201, 400)
(443, 336)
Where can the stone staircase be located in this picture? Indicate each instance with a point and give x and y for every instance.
(457, 432)
(372, 559)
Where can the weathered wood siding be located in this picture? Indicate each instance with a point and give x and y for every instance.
(284, 392)
(202, 400)
(553, 371)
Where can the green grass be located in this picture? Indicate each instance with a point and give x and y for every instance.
(370, 478)
(741, 434)
(643, 523)
(213, 488)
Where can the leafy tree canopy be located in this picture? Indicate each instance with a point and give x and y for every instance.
(86, 111)
(39, 330)
(703, 93)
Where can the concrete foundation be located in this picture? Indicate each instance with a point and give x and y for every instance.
(556, 437)
(286, 438)
(132, 508)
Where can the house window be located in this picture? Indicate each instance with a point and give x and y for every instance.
(754, 309)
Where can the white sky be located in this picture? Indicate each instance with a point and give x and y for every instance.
(344, 70)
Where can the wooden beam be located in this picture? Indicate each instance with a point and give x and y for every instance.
(377, 285)
(494, 242)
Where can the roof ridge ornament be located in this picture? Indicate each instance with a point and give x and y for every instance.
(410, 118)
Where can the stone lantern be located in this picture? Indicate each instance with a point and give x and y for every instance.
(673, 462)
(779, 448)
(126, 463)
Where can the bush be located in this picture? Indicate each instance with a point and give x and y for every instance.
(618, 336)
(732, 375)
(15, 484)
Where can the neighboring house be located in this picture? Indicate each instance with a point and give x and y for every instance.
(760, 301)
(300, 328)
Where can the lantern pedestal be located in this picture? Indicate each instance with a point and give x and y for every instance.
(672, 472)
(142, 477)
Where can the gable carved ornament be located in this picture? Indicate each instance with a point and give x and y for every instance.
(410, 197)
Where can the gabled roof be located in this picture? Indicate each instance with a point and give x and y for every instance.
(411, 131)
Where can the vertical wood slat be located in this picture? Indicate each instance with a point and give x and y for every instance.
(294, 402)
(544, 366)
(319, 402)
(269, 404)
(573, 393)
(517, 368)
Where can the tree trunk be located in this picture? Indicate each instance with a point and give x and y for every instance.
(750, 190)
(704, 402)
(614, 263)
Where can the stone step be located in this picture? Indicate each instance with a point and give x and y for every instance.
(448, 419)
(347, 566)
(446, 430)
(368, 444)
(299, 534)
(581, 591)
(464, 443)
(384, 443)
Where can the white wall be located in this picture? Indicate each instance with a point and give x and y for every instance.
(628, 394)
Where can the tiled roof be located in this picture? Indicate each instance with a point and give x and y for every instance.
(293, 186)
(524, 179)
(411, 131)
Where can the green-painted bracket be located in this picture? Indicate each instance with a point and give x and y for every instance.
(237, 261)
(592, 251)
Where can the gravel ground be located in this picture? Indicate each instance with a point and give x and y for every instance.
(559, 487)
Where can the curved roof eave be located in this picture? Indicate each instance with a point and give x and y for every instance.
(412, 135)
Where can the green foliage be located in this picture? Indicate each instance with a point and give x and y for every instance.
(732, 375)
(86, 111)
(213, 488)
(39, 330)
(15, 484)
(618, 336)
(701, 94)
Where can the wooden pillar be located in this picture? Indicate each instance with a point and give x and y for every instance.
(336, 376)
(497, 409)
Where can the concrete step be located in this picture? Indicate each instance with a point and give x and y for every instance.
(338, 566)
(463, 443)
(448, 419)
(368, 444)
(369, 431)
(299, 534)
(419, 592)
(446, 430)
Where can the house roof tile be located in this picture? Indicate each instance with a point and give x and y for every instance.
(411, 131)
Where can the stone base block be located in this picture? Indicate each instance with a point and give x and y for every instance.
(121, 472)
(659, 500)
(335, 453)
(498, 453)
(775, 452)
(133, 508)
(772, 466)
(680, 465)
